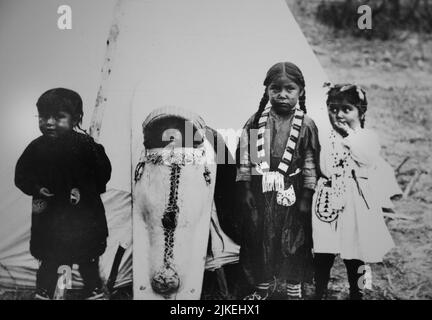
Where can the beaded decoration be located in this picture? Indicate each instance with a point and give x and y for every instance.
(168, 157)
(274, 180)
(331, 194)
(39, 205)
(166, 280)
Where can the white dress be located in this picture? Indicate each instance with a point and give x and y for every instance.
(355, 168)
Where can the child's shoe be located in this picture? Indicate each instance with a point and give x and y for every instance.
(257, 295)
(41, 294)
(97, 294)
(263, 291)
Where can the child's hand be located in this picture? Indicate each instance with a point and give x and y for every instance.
(305, 205)
(343, 128)
(75, 196)
(347, 129)
(246, 196)
(249, 200)
(45, 192)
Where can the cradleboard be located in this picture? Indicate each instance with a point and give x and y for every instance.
(173, 199)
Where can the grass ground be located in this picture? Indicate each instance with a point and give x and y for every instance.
(397, 75)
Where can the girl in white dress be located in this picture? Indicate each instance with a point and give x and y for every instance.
(347, 207)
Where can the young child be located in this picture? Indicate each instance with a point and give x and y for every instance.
(278, 154)
(65, 172)
(347, 217)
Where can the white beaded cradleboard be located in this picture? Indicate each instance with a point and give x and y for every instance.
(170, 264)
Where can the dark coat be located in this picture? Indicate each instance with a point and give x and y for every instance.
(60, 230)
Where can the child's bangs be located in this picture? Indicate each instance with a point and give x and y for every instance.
(52, 105)
(60, 100)
(350, 96)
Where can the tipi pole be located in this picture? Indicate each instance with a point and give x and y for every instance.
(101, 99)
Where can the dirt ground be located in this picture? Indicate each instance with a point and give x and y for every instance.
(397, 76)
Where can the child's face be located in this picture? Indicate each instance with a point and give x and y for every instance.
(342, 112)
(55, 125)
(284, 93)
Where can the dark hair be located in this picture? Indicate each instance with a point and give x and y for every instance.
(291, 71)
(353, 94)
(61, 99)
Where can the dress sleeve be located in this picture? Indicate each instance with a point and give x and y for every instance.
(364, 147)
(244, 165)
(309, 171)
(25, 173)
(310, 152)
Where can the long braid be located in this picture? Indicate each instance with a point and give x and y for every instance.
(262, 105)
(302, 84)
(362, 121)
(302, 101)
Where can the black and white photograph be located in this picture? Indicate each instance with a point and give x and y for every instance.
(216, 150)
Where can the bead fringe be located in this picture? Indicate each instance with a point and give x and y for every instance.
(273, 181)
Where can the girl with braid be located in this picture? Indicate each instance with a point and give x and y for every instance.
(356, 183)
(276, 176)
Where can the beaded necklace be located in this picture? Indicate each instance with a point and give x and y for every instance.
(273, 180)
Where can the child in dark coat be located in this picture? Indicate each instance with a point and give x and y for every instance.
(65, 172)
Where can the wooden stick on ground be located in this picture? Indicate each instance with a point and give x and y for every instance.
(115, 268)
(412, 182)
(402, 163)
(397, 216)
